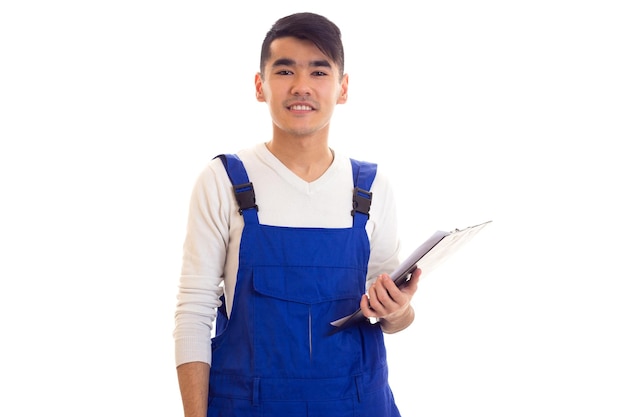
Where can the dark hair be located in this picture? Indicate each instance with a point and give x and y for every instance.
(307, 26)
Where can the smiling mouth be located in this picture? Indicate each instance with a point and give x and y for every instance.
(300, 107)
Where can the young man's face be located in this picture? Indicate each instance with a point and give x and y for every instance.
(301, 87)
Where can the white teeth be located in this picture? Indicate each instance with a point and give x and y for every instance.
(301, 107)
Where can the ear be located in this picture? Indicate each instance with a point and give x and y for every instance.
(343, 94)
(258, 86)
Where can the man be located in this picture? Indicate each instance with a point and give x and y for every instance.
(283, 239)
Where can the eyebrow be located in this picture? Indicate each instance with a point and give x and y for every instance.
(287, 62)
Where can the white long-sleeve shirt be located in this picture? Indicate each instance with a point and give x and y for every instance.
(211, 247)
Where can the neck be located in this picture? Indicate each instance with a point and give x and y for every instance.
(307, 157)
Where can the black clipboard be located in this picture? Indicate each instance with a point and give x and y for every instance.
(427, 256)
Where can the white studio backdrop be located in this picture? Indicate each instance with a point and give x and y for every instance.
(504, 111)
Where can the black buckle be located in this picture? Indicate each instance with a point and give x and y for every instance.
(244, 194)
(361, 201)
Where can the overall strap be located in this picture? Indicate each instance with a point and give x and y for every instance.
(363, 174)
(242, 187)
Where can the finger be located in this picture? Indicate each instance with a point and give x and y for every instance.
(383, 296)
(394, 297)
(391, 288)
(366, 308)
(380, 301)
(411, 288)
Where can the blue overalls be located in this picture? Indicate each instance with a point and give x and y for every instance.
(274, 356)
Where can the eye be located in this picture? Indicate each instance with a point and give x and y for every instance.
(284, 72)
(318, 73)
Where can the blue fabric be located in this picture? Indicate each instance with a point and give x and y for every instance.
(274, 356)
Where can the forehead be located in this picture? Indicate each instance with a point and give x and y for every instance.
(300, 51)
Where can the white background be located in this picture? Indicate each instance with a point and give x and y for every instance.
(483, 110)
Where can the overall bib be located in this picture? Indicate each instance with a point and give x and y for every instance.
(274, 356)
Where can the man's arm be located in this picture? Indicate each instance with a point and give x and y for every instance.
(193, 380)
(391, 304)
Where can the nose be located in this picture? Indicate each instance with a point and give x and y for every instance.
(300, 86)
